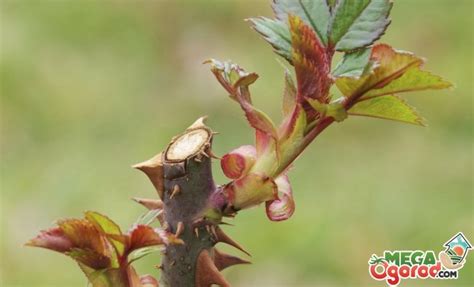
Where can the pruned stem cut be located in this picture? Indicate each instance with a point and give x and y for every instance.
(188, 144)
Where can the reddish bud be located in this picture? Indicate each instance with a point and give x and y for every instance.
(238, 162)
(283, 207)
(148, 281)
(251, 190)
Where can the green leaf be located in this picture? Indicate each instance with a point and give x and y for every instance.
(331, 3)
(110, 277)
(335, 109)
(108, 227)
(357, 24)
(103, 222)
(314, 13)
(390, 64)
(395, 72)
(414, 79)
(276, 33)
(96, 277)
(354, 64)
(387, 107)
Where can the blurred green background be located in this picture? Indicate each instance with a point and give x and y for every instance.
(90, 87)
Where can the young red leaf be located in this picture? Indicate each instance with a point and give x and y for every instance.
(53, 239)
(259, 120)
(238, 162)
(310, 61)
(283, 207)
(90, 258)
(85, 235)
(143, 236)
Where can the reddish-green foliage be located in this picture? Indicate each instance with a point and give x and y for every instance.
(307, 33)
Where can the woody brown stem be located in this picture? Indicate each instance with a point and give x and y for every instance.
(188, 184)
(183, 177)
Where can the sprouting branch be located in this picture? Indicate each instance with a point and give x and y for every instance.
(191, 205)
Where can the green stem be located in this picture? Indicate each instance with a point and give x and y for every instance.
(310, 136)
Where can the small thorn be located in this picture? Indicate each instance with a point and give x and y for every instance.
(207, 272)
(149, 203)
(208, 228)
(215, 133)
(223, 260)
(175, 191)
(179, 229)
(153, 168)
(198, 158)
(224, 238)
(199, 123)
(173, 263)
(205, 154)
(159, 266)
(196, 232)
(212, 155)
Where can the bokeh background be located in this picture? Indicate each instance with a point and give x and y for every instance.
(90, 87)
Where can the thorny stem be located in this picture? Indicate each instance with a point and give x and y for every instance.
(182, 175)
